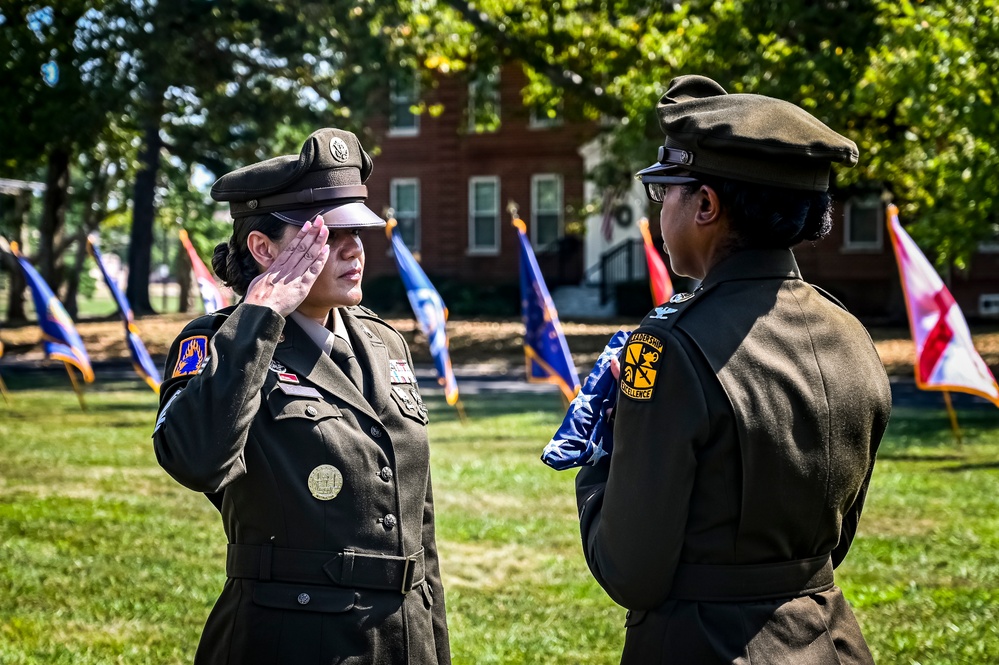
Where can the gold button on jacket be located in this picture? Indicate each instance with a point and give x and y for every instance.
(295, 469)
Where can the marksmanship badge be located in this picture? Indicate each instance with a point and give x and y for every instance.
(681, 297)
(640, 369)
(325, 482)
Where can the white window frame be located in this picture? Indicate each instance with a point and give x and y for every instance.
(472, 84)
(537, 122)
(395, 97)
(866, 202)
(393, 201)
(472, 182)
(560, 208)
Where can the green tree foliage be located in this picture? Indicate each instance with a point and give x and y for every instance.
(912, 82)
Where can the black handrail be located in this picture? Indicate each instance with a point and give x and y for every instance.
(622, 263)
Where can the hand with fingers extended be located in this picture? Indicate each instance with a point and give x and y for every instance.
(285, 283)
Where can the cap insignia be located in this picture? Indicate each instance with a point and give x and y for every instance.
(339, 149)
(251, 204)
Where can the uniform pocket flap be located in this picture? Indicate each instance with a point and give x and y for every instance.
(309, 409)
(410, 403)
(303, 597)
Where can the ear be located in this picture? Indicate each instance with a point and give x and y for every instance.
(263, 249)
(709, 208)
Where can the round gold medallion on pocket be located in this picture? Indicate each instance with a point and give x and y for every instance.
(325, 482)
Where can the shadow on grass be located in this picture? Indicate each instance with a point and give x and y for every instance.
(979, 466)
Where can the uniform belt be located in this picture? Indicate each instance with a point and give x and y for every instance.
(347, 568)
(746, 583)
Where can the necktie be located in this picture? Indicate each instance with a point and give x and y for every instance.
(344, 358)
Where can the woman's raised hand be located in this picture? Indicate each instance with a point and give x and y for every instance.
(285, 283)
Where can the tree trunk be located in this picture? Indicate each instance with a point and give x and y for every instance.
(73, 278)
(16, 296)
(53, 216)
(182, 268)
(143, 215)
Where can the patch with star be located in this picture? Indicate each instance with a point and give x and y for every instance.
(192, 356)
(640, 366)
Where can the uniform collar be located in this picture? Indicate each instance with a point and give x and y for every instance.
(754, 264)
(322, 335)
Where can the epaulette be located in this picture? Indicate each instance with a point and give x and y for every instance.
(828, 296)
(213, 320)
(361, 310)
(666, 315)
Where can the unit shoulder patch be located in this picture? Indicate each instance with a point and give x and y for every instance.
(192, 356)
(640, 366)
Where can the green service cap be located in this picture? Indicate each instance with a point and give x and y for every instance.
(326, 178)
(745, 137)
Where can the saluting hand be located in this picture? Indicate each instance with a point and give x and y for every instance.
(285, 283)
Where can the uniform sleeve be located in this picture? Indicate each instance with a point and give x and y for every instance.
(433, 569)
(205, 416)
(633, 510)
(441, 639)
(851, 519)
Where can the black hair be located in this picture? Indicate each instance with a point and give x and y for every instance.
(765, 217)
(232, 260)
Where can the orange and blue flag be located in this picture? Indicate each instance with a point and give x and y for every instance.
(429, 310)
(141, 361)
(211, 295)
(59, 337)
(545, 348)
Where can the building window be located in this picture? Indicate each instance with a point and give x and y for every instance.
(546, 209)
(544, 117)
(863, 223)
(484, 101)
(404, 98)
(404, 195)
(483, 215)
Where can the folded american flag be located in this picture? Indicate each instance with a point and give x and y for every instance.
(585, 436)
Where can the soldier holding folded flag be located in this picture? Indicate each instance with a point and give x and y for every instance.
(749, 411)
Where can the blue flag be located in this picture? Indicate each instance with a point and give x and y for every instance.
(585, 436)
(59, 337)
(143, 364)
(545, 348)
(430, 312)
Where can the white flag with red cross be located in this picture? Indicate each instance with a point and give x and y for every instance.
(946, 358)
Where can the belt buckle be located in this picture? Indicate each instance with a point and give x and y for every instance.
(408, 569)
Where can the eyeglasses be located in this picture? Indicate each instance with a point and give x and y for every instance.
(655, 185)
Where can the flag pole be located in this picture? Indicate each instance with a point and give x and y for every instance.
(462, 416)
(3, 391)
(76, 386)
(953, 419)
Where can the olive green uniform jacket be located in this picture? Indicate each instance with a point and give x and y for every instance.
(308, 580)
(753, 448)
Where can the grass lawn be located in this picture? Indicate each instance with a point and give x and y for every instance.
(104, 559)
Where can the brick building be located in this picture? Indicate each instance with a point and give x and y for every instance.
(450, 175)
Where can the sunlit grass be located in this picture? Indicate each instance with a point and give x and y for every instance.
(104, 559)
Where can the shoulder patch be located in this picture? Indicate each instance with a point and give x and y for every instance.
(192, 355)
(640, 366)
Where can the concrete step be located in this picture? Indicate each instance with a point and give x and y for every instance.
(582, 302)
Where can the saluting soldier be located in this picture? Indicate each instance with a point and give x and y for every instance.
(750, 410)
(298, 414)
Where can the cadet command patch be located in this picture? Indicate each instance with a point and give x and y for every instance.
(192, 355)
(640, 366)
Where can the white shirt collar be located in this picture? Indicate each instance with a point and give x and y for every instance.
(320, 334)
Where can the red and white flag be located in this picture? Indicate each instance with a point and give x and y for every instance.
(662, 286)
(946, 358)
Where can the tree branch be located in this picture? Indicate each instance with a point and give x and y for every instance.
(528, 52)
